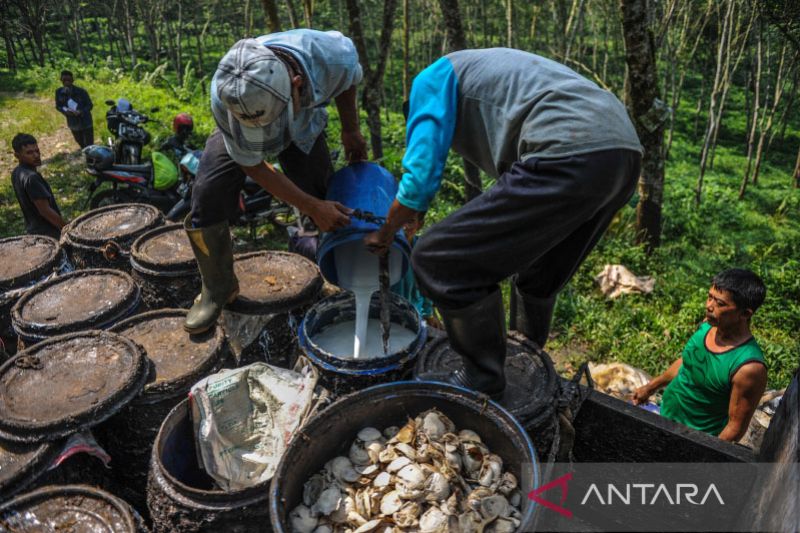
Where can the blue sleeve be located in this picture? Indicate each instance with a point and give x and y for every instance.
(429, 133)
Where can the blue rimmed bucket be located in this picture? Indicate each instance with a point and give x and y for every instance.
(340, 375)
(369, 188)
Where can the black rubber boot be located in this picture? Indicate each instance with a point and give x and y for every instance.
(531, 316)
(214, 253)
(478, 334)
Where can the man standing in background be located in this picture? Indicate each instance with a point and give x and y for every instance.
(36, 199)
(75, 104)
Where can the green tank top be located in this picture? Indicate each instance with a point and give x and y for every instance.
(699, 395)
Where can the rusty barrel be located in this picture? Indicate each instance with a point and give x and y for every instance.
(103, 237)
(52, 395)
(532, 384)
(275, 290)
(71, 508)
(163, 265)
(24, 261)
(182, 498)
(177, 361)
(94, 298)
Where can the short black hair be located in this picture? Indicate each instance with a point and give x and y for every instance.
(20, 140)
(747, 289)
(66, 73)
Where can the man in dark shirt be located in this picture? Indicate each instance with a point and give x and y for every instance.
(75, 104)
(42, 216)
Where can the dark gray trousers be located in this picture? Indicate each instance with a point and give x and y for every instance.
(538, 222)
(215, 195)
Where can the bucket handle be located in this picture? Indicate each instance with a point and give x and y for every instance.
(111, 251)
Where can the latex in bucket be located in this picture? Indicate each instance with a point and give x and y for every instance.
(341, 255)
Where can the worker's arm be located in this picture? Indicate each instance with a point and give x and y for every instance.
(429, 133)
(326, 215)
(645, 391)
(748, 385)
(48, 213)
(355, 146)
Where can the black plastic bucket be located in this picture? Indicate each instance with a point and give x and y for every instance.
(341, 376)
(275, 290)
(177, 361)
(85, 299)
(532, 384)
(182, 498)
(331, 432)
(24, 261)
(163, 264)
(103, 237)
(55, 389)
(71, 508)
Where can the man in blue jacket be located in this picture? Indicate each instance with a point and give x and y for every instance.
(75, 104)
(565, 156)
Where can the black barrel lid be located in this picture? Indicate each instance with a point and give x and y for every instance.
(72, 508)
(179, 359)
(163, 249)
(27, 258)
(531, 379)
(21, 464)
(67, 384)
(94, 298)
(274, 282)
(120, 223)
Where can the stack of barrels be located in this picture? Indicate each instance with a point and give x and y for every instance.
(95, 360)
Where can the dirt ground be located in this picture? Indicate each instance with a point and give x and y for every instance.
(54, 145)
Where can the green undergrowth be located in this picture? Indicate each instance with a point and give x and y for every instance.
(761, 232)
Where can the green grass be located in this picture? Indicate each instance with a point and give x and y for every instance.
(762, 232)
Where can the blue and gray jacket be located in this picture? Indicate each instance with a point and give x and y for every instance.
(498, 106)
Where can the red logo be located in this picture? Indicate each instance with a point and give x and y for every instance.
(560, 482)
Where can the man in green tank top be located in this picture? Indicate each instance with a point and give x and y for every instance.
(716, 385)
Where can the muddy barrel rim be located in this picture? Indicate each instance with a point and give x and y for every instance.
(283, 301)
(36, 272)
(215, 357)
(120, 508)
(141, 262)
(130, 384)
(128, 302)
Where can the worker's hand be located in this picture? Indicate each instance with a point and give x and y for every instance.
(329, 216)
(642, 394)
(355, 146)
(378, 242)
(434, 322)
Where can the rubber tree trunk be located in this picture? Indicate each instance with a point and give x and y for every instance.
(458, 41)
(271, 10)
(373, 77)
(643, 91)
(797, 171)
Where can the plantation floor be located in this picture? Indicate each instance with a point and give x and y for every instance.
(761, 233)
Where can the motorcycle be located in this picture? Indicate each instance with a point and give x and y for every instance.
(256, 206)
(153, 183)
(126, 124)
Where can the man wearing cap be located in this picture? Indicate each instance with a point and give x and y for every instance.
(566, 158)
(268, 98)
